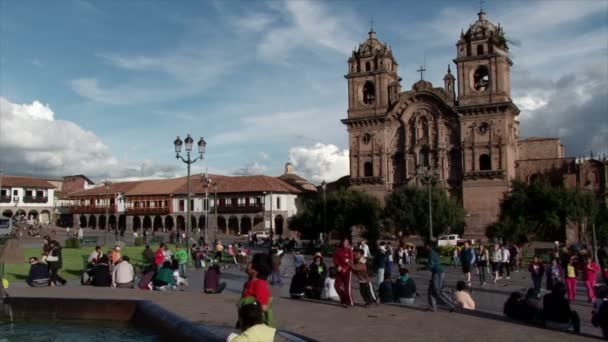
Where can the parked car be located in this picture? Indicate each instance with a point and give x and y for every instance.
(5, 226)
(452, 240)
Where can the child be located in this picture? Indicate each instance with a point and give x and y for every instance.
(571, 278)
(462, 297)
(359, 269)
(252, 325)
(329, 291)
(256, 289)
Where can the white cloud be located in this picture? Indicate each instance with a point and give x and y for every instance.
(322, 122)
(253, 168)
(311, 24)
(254, 22)
(320, 162)
(34, 142)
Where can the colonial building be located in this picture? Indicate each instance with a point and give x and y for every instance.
(228, 204)
(26, 197)
(466, 131)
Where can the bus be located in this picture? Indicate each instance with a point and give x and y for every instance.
(5, 226)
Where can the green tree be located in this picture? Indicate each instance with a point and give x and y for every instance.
(346, 208)
(542, 211)
(408, 210)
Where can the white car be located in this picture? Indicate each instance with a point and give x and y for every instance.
(448, 240)
(262, 235)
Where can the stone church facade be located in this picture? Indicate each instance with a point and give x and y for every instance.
(467, 131)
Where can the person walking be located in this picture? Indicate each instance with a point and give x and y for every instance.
(554, 274)
(359, 268)
(591, 271)
(275, 277)
(467, 257)
(436, 292)
(482, 264)
(496, 258)
(343, 259)
(181, 255)
(537, 271)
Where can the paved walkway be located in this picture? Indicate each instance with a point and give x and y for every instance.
(326, 322)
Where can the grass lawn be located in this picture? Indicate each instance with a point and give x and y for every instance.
(74, 260)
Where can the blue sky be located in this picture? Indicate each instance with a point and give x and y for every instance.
(103, 87)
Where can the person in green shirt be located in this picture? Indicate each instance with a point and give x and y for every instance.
(181, 255)
(164, 277)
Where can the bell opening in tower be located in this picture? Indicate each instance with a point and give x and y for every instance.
(369, 93)
(481, 78)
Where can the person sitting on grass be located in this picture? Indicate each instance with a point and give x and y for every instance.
(100, 274)
(405, 288)
(462, 298)
(297, 288)
(123, 274)
(211, 283)
(95, 256)
(386, 290)
(148, 255)
(164, 279)
(39, 274)
(251, 318)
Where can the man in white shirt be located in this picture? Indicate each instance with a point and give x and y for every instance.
(95, 255)
(123, 274)
(505, 262)
(365, 248)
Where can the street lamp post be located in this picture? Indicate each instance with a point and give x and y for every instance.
(271, 219)
(189, 161)
(206, 182)
(107, 184)
(428, 177)
(324, 228)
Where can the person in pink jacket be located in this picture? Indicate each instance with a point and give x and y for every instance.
(591, 271)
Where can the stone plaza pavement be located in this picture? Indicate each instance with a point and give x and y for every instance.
(327, 322)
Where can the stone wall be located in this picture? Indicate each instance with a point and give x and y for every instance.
(540, 148)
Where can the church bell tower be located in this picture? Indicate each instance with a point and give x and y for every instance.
(488, 121)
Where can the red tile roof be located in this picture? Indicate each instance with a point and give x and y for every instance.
(25, 182)
(178, 186)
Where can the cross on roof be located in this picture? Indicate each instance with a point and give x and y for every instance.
(371, 24)
(421, 70)
(481, 5)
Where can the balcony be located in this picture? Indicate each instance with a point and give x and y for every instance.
(91, 209)
(32, 199)
(238, 209)
(149, 211)
(5, 199)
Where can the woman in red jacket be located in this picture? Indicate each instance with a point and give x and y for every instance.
(343, 259)
(591, 271)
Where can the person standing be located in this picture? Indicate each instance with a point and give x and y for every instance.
(380, 263)
(181, 255)
(505, 263)
(554, 274)
(316, 277)
(571, 279)
(275, 277)
(159, 258)
(343, 259)
(537, 271)
(365, 248)
(256, 289)
(436, 292)
(55, 262)
(496, 258)
(390, 258)
(80, 233)
(591, 271)
(482, 264)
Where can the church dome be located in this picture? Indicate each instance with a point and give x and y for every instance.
(481, 29)
(373, 47)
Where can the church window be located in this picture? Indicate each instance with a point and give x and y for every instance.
(368, 66)
(479, 49)
(369, 92)
(485, 163)
(423, 157)
(368, 169)
(481, 78)
(367, 138)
